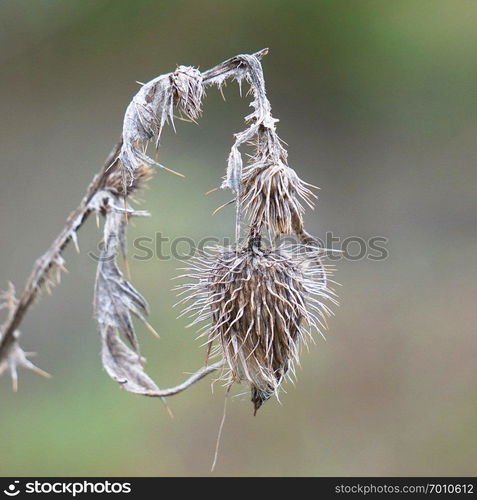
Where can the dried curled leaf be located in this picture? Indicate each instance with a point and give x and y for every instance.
(125, 365)
(116, 300)
(251, 70)
(152, 107)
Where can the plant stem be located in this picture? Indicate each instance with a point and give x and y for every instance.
(44, 263)
(195, 377)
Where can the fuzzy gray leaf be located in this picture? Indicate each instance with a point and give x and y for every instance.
(115, 298)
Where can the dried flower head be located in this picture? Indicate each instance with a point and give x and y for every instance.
(271, 195)
(260, 305)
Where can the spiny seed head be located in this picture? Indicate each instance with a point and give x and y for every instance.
(271, 194)
(260, 305)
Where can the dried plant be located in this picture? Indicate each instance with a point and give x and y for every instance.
(260, 302)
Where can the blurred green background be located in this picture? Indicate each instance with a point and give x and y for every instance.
(378, 103)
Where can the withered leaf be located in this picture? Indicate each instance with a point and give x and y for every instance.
(115, 298)
(124, 365)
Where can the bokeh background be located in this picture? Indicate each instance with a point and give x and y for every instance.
(378, 103)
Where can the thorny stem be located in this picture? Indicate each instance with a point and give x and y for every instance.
(74, 222)
(43, 264)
